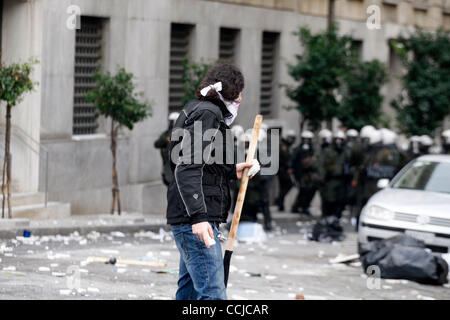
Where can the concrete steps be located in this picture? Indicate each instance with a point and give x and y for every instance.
(20, 199)
(32, 206)
(54, 210)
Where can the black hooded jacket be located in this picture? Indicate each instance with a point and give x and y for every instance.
(201, 188)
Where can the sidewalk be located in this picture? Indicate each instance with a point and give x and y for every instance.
(106, 223)
(103, 223)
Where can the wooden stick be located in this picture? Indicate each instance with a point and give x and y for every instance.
(244, 183)
(130, 262)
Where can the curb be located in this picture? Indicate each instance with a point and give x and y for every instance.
(18, 229)
(82, 230)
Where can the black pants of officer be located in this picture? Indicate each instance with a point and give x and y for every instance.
(304, 199)
(285, 185)
(332, 208)
(265, 181)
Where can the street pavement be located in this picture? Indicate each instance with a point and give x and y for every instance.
(287, 264)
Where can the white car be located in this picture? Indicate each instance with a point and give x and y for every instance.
(416, 202)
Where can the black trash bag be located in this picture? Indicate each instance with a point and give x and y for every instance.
(403, 257)
(400, 239)
(327, 230)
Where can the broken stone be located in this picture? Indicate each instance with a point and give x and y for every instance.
(10, 268)
(58, 274)
(65, 292)
(117, 234)
(44, 269)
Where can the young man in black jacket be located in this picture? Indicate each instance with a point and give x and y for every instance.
(199, 197)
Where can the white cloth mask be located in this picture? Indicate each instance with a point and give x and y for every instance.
(232, 107)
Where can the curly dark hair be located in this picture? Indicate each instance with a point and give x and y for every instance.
(232, 83)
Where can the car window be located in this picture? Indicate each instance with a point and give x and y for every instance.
(426, 175)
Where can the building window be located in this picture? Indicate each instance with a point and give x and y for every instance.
(268, 71)
(357, 48)
(88, 56)
(227, 46)
(180, 39)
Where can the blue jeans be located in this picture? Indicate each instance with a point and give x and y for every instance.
(201, 275)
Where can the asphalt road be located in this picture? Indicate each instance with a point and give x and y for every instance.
(287, 264)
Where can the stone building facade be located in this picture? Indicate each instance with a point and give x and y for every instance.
(148, 37)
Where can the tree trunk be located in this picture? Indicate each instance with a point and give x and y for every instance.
(5, 161)
(7, 165)
(115, 179)
(331, 15)
(302, 124)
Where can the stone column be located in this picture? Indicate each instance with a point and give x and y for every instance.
(22, 39)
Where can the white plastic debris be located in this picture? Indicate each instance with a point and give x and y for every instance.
(54, 265)
(65, 292)
(83, 242)
(4, 248)
(52, 256)
(44, 269)
(236, 297)
(393, 281)
(425, 298)
(86, 262)
(10, 268)
(270, 277)
(58, 274)
(342, 258)
(132, 296)
(93, 290)
(121, 270)
(162, 298)
(118, 234)
(250, 291)
(112, 252)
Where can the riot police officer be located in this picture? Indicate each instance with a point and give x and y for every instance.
(330, 166)
(301, 165)
(445, 138)
(284, 178)
(425, 144)
(163, 144)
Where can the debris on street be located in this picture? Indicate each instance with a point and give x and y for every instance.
(404, 257)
